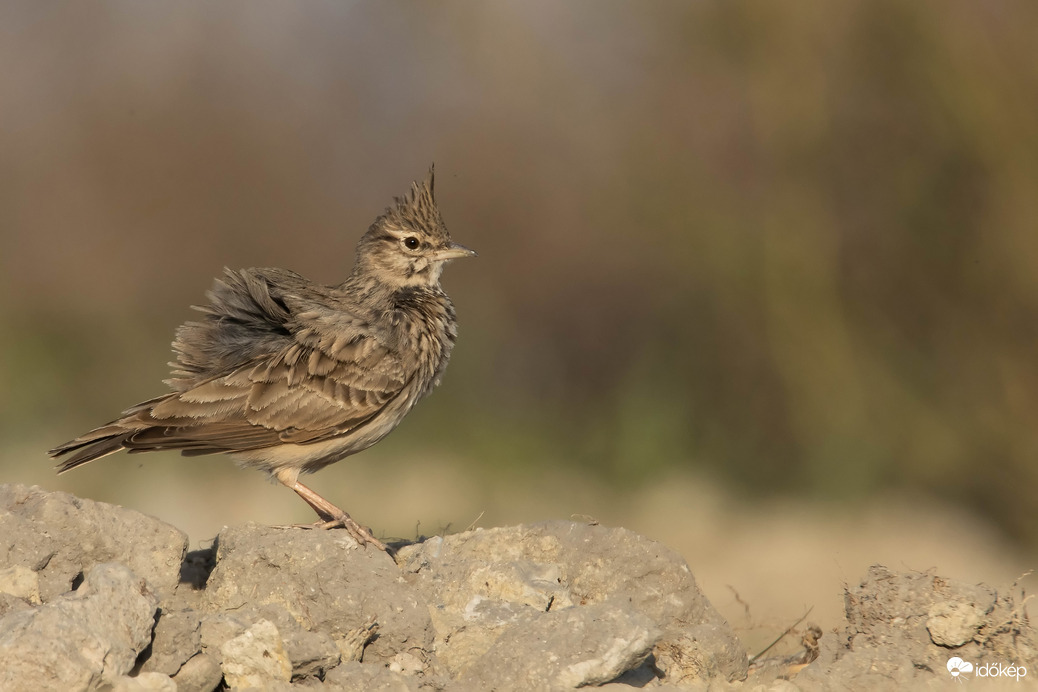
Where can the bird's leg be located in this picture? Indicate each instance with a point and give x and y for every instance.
(333, 516)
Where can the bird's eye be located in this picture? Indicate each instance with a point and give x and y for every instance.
(411, 243)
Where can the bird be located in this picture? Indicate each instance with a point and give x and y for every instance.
(287, 376)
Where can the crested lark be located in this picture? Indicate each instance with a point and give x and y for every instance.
(288, 376)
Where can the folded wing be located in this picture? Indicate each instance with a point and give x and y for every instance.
(247, 379)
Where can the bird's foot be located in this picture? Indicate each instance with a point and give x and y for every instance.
(361, 534)
(331, 516)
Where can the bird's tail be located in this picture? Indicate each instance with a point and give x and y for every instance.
(105, 440)
(93, 445)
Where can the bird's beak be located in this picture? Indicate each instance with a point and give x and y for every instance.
(455, 251)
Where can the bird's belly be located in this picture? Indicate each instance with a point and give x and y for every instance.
(314, 456)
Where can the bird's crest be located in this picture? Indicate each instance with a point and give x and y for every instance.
(417, 210)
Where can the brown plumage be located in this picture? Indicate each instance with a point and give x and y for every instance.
(288, 376)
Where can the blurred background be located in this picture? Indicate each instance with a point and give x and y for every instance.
(757, 280)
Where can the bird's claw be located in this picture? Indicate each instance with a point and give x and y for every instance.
(358, 532)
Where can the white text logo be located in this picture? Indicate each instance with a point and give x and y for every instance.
(958, 667)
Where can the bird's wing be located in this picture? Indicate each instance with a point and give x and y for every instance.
(275, 359)
(300, 395)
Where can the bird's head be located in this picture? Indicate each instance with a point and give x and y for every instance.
(408, 244)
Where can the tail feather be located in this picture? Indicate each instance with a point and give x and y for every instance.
(105, 440)
(93, 445)
(139, 431)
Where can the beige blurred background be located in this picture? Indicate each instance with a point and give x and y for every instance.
(757, 280)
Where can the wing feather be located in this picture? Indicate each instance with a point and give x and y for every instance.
(268, 401)
(266, 366)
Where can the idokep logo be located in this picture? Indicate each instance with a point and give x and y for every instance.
(956, 666)
(959, 668)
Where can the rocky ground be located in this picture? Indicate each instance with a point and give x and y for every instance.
(95, 596)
